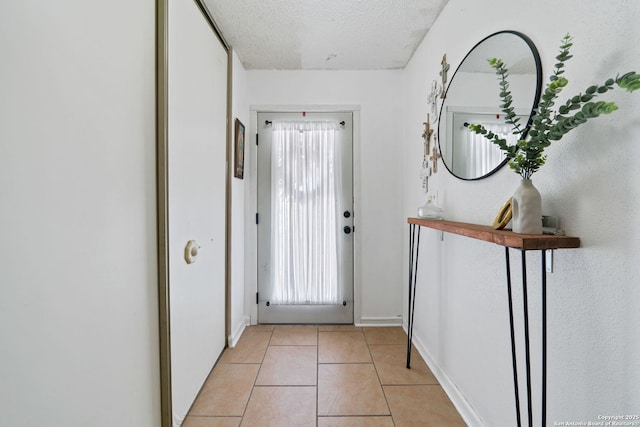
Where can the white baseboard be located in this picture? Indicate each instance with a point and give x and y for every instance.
(379, 321)
(235, 335)
(465, 410)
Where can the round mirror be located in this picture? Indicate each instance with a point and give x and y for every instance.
(473, 96)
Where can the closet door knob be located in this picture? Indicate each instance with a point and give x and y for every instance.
(347, 229)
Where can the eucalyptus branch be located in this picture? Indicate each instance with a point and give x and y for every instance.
(505, 95)
(541, 119)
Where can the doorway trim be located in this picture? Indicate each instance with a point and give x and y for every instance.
(251, 233)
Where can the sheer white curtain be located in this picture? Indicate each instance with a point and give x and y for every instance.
(305, 186)
(483, 155)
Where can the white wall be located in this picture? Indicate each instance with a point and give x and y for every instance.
(239, 215)
(590, 181)
(78, 281)
(378, 158)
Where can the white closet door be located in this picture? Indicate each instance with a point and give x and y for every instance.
(197, 102)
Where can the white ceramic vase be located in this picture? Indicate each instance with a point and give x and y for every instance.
(527, 209)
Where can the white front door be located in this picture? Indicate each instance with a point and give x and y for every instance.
(305, 218)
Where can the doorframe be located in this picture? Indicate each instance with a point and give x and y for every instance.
(162, 195)
(251, 230)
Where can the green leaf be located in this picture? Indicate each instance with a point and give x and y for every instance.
(496, 63)
(629, 81)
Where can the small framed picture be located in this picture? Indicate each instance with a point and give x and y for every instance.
(238, 169)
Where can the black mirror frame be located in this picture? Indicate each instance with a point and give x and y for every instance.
(536, 99)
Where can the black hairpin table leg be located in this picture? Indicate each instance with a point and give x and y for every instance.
(527, 351)
(414, 247)
(527, 347)
(544, 338)
(513, 339)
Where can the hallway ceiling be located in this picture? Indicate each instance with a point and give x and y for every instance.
(324, 34)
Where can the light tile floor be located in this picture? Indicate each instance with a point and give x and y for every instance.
(321, 376)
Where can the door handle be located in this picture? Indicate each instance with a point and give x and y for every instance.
(346, 214)
(347, 229)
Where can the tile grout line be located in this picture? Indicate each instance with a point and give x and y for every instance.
(255, 379)
(386, 401)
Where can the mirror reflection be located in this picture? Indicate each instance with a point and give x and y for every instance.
(473, 97)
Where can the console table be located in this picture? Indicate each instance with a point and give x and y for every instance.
(508, 239)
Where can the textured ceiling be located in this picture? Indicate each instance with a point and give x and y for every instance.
(324, 34)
